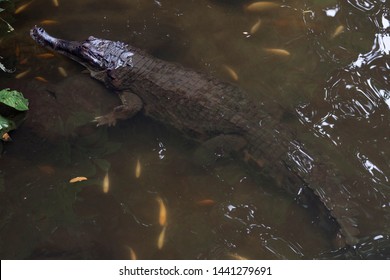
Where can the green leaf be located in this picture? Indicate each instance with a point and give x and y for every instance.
(13, 99)
(6, 125)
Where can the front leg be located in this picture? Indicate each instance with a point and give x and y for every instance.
(131, 105)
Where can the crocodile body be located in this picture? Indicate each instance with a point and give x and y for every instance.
(206, 109)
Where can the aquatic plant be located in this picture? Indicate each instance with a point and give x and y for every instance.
(9, 118)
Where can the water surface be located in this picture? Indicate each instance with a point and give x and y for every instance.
(332, 90)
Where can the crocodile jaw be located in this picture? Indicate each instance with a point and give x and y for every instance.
(94, 53)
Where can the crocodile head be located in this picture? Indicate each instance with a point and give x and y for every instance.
(94, 53)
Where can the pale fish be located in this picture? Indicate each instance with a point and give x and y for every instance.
(21, 8)
(23, 61)
(261, 6)
(41, 79)
(339, 29)
(161, 238)
(255, 27)
(22, 74)
(49, 170)
(236, 256)
(106, 183)
(56, 3)
(138, 169)
(48, 22)
(62, 72)
(162, 218)
(279, 52)
(45, 55)
(206, 202)
(78, 179)
(233, 74)
(17, 51)
(133, 255)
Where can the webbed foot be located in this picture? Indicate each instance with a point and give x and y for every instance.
(132, 104)
(109, 120)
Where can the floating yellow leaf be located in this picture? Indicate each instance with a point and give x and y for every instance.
(233, 74)
(106, 183)
(255, 27)
(279, 52)
(162, 219)
(161, 238)
(77, 179)
(56, 3)
(261, 6)
(138, 169)
(6, 137)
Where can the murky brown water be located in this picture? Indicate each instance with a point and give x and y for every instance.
(332, 89)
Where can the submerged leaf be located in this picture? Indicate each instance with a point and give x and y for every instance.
(6, 125)
(13, 99)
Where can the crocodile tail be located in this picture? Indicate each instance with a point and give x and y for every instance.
(288, 161)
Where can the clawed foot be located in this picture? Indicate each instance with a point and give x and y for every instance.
(109, 120)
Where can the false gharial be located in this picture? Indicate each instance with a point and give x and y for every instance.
(210, 111)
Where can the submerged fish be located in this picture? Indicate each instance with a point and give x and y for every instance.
(339, 29)
(133, 255)
(233, 75)
(279, 52)
(206, 202)
(45, 55)
(255, 27)
(21, 8)
(62, 72)
(236, 256)
(48, 21)
(161, 238)
(22, 74)
(78, 179)
(106, 183)
(138, 169)
(49, 170)
(162, 213)
(261, 6)
(41, 79)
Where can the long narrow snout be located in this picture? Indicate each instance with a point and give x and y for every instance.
(67, 48)
(94, 53)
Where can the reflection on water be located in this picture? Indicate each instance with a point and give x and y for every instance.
(336, 76)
